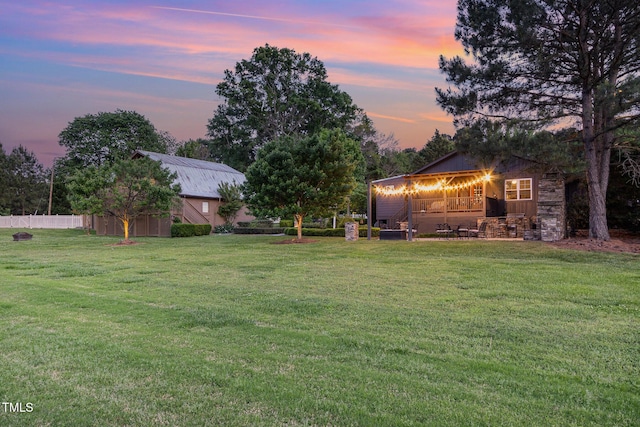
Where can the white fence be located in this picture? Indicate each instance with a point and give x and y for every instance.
(41, 221)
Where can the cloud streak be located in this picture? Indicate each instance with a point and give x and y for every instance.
(262, 18)
(385, 55)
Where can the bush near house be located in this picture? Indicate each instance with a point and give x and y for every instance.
(258, 230)
(190, 230)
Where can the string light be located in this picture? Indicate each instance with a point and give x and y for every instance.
(440, 185)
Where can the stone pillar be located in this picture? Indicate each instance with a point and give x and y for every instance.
(351, 232)
(552, 208)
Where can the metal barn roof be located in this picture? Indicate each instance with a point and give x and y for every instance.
(197, 178)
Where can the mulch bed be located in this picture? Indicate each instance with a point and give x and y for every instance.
(125, 243)
(620, 242)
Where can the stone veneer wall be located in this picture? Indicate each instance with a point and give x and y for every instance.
(551, 218)
(510, 226)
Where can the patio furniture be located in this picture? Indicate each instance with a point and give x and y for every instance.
(444, 230)
(462, 231)
(480, 231)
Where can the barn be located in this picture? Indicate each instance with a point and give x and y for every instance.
(199, 181)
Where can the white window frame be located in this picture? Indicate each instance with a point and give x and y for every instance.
(205, 207)
(519, 189)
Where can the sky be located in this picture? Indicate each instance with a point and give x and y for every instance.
(65, 59)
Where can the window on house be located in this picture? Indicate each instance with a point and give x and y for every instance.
(205, 207)
(518, 189)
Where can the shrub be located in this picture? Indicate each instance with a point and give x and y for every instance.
(344, 219)
(286, 223)
(251, 230)
(224, 228)
(182, 230)
(313, 225)
(202, 229)
(190, 230)
(261, 223)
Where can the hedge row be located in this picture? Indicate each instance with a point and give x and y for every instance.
(189, 230)
(330, 232)
(250, 230)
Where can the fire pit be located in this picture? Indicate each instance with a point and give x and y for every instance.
(22, 236)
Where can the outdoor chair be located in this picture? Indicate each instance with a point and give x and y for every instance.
(480, 231)
(462, 231)
(444, 230)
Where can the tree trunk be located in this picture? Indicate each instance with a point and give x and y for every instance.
(299, 219)
(125, 225)
(597, 156)
(598, 228)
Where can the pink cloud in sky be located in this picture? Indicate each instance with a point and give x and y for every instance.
(134, 55)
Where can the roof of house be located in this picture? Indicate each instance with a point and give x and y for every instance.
(197, 178)
(451, 163)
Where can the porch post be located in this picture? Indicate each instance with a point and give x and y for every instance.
(484, 199)
(446, 207)
(369, 210)
(409, 214)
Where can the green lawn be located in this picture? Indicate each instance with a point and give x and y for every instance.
(234, 330)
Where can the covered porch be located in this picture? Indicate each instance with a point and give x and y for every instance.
(428, 200)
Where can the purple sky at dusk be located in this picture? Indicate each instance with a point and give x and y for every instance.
(65, 59)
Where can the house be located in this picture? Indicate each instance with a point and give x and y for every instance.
(513, 198)
(199, 182)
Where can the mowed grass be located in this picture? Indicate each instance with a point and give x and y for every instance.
(237, 331)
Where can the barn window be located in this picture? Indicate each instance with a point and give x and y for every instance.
(518, 189)
(205, 207)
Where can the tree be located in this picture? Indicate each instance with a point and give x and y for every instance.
(101, 139)
(276, 93)
(87, 189)
(126, 189)
(231, 194)
(438, 146)
(26, 188)
(4, 183)
(628, 151)
(550, 63)
(302, 175)
(194, 149)
(399, 162)
(488, 140)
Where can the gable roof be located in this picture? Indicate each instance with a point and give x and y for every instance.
(197, 178)
(451, 162)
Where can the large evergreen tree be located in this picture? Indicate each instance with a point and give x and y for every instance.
(25, 188)
(4, 182)
(551, 62)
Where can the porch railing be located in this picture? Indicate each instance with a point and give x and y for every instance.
(452, 204)
(399, 217)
